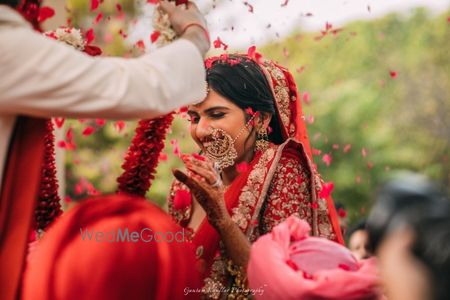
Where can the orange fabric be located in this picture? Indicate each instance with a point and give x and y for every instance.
(65, 266)
(17, 201)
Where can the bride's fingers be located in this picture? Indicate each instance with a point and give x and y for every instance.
(208, 175)
(190, 181)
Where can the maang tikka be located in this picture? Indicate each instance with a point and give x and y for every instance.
(220, 148)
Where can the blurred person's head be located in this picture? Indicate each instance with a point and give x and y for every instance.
(416, 203)
(358, 241)
(83, 255)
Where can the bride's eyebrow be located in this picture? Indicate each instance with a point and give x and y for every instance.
(211, 109)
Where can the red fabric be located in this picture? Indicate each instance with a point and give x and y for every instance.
(300, 134)
(64, 266)
(206, 235)
(18, 198)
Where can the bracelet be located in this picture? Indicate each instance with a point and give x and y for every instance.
(205, 31)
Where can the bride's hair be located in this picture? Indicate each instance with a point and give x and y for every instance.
(12, 3)
(244, 84)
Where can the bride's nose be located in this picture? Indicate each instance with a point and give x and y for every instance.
(203, 129)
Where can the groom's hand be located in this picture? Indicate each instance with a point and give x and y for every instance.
(188, 23)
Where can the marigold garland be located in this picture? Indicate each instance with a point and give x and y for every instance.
(142, 157)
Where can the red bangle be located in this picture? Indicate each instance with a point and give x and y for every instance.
(205, 31)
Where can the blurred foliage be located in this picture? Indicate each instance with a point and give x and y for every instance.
(385, 123)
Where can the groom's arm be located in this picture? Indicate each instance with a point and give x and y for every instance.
(42, 77)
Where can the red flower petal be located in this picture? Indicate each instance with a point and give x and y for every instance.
(69, 134)
(94, 4)
(393, 74)
(182, 199)
(219, 43)
(306, 97)
(61, 144)
(59, 122)
(242, 167)
(92, 50)
(119, 7)
(316, 151)
(327, 159)
(314, 205)
(120, 125)
(344, 267)
(45, 13)
(154, 36)
(153, 1)
(364, 152)
(198, 156)
(98, 18)
(90, 36)
(347, 148)
(163, 157)
(249, 111)
(292, 264)
(100, 122)
(285, 3)
(341, 212)
(327, 188)
(88, 131)
(140, 44)
(251, 51)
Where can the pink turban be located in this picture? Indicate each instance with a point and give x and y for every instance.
(289, 264)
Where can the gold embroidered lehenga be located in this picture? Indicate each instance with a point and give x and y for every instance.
(279, 182)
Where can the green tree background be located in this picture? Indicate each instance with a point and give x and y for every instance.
(371, 122)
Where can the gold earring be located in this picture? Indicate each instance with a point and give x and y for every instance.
(262, 140)
(221, 149)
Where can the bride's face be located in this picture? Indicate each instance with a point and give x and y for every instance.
(219, 112)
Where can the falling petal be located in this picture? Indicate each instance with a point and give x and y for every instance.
(90, 36)
(327, 159)
(306, 97)
(94, 4)
(45, 13)
(154, 36)
(100, 122)
(98, 18)
(347, 148)
(88, 131)
(364, 152)
(120, 125)
(59, 122)
(393, 74)
(242, 167)
(327, 188)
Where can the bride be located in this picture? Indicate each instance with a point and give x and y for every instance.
(255, 169)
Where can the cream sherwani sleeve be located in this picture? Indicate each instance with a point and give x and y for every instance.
(45, 78)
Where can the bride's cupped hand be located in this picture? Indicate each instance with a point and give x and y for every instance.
(205, 185)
